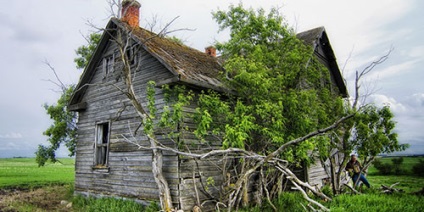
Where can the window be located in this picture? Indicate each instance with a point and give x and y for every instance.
(102, 144)
(132, 55)
(108, 63)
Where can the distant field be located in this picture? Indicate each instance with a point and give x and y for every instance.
(408, 163)
(407, 181)
(25, 173)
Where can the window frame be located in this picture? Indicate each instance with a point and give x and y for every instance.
(100, 128)
(133, 54)
(108, 65)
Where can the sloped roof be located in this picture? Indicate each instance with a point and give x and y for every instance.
(317, 38)
(311, 36)
(190, 65)
(187, 64)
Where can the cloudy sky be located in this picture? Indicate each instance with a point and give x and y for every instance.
(35, 31)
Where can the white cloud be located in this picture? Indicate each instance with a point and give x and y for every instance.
(12, 135)
(416, 101)
(409, 117)
(393, 70)
(414, 52)
(382, 100)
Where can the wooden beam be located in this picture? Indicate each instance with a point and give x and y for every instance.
(78, 107)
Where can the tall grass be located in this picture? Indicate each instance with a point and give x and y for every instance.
(371, 200)
(288, 201)
(81, 203)
(377, 202)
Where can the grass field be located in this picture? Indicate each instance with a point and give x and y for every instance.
(25, 173)
(407, 164)
(407, 181)
(42, 193)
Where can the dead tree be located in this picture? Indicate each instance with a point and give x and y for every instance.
(341, 138)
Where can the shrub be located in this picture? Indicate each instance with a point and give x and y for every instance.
(397, 166)
(418, 169)
(383, 168)
(327, 190)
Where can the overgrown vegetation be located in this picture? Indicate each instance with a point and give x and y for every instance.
(372, 201)
(284, 104)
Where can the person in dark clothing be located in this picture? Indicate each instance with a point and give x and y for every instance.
(354, 168)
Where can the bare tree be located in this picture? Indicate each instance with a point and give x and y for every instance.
(342, 140)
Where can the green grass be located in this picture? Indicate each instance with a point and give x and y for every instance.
(288, 201)
(377, 202)
(407, 181)
(371, 199)
(25, 173)
(81, 203)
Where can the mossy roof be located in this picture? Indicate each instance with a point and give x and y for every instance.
(189, 65)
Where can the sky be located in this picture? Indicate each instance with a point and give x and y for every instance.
(34, 32)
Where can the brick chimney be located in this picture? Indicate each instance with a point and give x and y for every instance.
(211, 51)
(131, 12)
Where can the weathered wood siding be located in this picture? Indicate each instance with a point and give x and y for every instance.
(322, 57)
(316, 173)
(200, 180)
(129, 168)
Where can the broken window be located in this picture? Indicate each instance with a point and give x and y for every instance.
(108, 63)
(102, 144)
(133, 55)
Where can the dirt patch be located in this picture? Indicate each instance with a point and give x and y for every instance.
(40, 199)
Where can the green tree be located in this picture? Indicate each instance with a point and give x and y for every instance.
(85, 52)
(374, 132)
(369, 133)
(63, 129)
(281, 91)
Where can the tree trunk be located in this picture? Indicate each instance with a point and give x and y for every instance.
(164, 192)
(157, 156)
(334, 179)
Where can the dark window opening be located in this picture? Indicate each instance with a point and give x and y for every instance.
(108, 63)
(132, 55)
(102, 144)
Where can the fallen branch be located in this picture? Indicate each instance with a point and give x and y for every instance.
(308, 198)
(391, 189)
(351, 188)
(292, 177)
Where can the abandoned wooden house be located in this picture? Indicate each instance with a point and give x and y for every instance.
(107, 165)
